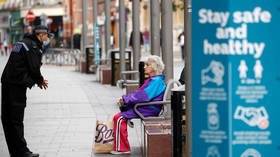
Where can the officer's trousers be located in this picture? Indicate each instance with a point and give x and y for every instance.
(12, 115)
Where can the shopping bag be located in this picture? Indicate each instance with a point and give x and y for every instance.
(104, 137)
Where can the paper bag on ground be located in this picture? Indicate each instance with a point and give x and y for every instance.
(104, 140)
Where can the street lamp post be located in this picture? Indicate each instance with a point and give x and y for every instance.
(122, 36)
(136, 33)
(155, 27)
(107, 27)
(167, 35)
(95, 32)
(84, 36)
(188, 83)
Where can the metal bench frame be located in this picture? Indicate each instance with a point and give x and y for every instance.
(125, 82)
(165, 102)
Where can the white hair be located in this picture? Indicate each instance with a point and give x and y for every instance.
(156, 63)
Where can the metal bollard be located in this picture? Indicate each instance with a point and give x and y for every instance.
(141, 73)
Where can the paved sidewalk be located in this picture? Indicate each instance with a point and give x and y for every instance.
(60, 121)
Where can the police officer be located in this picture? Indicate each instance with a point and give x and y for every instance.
(22, 71)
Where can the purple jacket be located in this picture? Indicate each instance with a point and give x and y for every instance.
(152, 90)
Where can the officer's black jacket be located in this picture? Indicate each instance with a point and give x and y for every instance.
(23, 66)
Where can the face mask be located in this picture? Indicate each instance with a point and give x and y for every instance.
(45, 43)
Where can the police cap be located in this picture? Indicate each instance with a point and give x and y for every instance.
(43, 29)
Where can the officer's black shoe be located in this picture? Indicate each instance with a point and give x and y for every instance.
(26, 154)
(30, 154)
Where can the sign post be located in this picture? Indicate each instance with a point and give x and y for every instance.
(96, 46)
(235, 99)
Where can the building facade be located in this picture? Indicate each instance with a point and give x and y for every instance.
(10, 23)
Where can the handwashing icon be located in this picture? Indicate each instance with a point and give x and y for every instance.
(213, 73)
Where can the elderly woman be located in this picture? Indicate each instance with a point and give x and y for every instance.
(152, 90)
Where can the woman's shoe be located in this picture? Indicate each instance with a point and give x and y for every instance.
(130, 123)
(118, 153)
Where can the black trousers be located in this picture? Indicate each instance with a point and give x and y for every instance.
(12, 115)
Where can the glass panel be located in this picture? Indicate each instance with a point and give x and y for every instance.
(51, 2)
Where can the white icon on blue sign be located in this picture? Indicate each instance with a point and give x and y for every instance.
(258, 70)
(213, 151)
(213, 116)
(242, 68)
(213, 73)
(250, 153)
(252, 116)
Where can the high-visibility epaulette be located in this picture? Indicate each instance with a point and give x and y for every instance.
(24, 45)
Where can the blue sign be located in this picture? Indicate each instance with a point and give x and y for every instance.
(96, 46)
(235, 78)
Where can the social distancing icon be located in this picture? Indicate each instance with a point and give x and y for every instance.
(257, 69)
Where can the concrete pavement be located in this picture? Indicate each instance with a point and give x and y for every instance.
(60, 121)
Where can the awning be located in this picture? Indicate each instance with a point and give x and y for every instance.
(10, 4)
(49, 11)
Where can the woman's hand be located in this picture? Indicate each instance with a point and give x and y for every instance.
(120, 102)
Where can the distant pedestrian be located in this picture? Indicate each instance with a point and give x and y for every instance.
(152, 90)
(131, 39)
(146, 37)
(1, 50)
(28, 30)
(5, 45)
(77, 41)
(22, 71)
(182, 78)
(112, 40)
(181, 40)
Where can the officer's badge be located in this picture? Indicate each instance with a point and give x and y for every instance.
(16, 48)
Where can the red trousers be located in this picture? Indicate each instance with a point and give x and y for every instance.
(121, 143)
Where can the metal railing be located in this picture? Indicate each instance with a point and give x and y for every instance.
(62, 56)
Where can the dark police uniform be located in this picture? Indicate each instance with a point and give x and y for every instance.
(22, 71)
